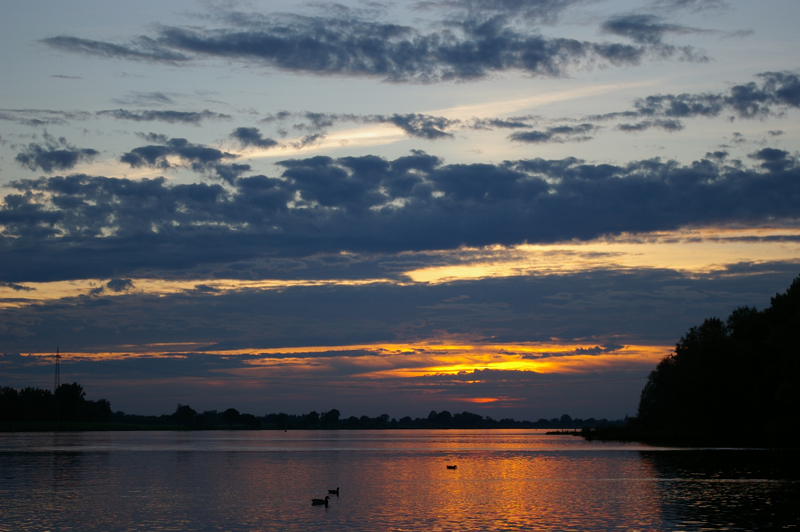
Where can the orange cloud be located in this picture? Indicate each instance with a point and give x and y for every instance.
(371, 362)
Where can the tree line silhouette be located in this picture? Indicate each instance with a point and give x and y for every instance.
(38, 409)
(332, 419)
(735, 382)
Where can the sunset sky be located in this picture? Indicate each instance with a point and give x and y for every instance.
(510, 207)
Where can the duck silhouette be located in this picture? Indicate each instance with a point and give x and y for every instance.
(334, 492)
(320, 502)
(452, 467)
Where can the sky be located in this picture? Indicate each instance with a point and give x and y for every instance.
(509, 207)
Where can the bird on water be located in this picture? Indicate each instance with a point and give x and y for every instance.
(320, 502)
(452, 467)
(334, 492)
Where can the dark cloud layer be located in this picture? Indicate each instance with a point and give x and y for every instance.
(53, 154)
(79, 225)
(601, 307)
(471, 47)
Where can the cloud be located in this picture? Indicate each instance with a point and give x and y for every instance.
(666, 125)
(145, 98)
(41, 117)
(606, 308)
(469, 48)
(206, 288)
(591, 351)
(114, 285)
(777, 92)
(692, 5)
(231, 172)
(774, 160)
(415, 125)
(171, 117)
(309, 140)
(555, 134)
(200, 158)
(778, 89)
(140, 49)
(53, 154)
(18, 287)
(508, 123)
(251, 137)
(67, 227)
(644, 29)
(119, 285)
(545, 11)
(422, 126)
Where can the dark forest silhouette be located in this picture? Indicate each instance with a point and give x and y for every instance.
(735, 382)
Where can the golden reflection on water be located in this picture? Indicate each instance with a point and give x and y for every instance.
(388, 480)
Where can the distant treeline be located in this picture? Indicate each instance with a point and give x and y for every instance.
(735, 382)
(69, 405)
(332, 419)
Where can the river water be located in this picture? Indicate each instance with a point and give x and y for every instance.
(389, 481)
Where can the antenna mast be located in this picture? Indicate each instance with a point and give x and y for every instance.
(57, 380)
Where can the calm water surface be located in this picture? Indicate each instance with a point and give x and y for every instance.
(389, 480)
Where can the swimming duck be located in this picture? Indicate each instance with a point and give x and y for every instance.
(320, 502)
(334, 492)
(452, 466)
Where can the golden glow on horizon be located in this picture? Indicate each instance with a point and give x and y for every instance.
(693, 251)
(399, 361)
